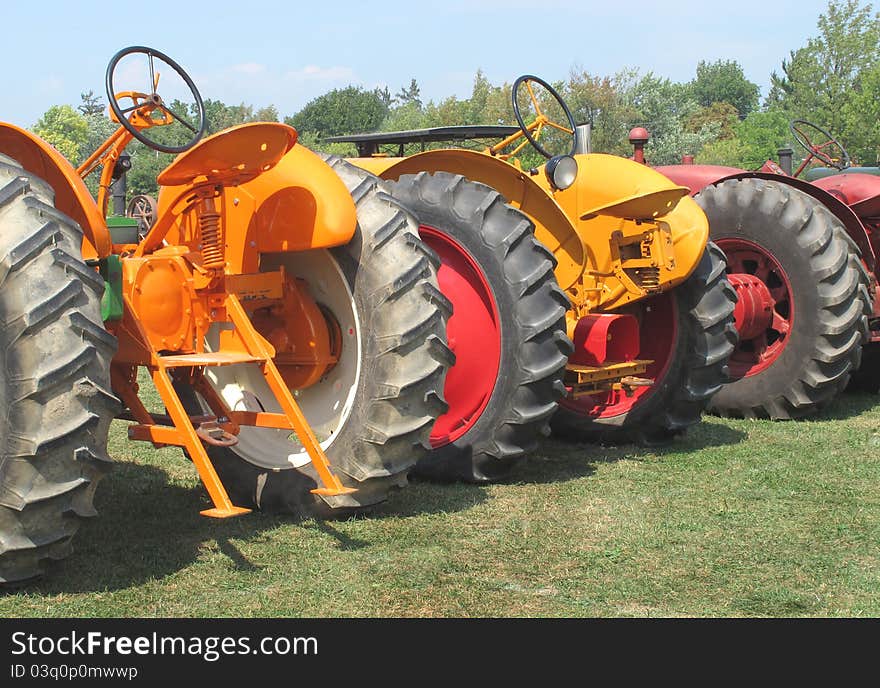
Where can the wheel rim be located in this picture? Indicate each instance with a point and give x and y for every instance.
(754, 355)
(473, 334)
(658, 335)
(327, 405)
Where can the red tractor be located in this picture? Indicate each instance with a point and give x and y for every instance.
(802, 257)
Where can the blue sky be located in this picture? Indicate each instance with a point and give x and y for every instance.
(286, 53)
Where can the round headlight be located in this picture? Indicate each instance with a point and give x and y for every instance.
(561, 171)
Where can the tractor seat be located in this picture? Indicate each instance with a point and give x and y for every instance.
(233, 156)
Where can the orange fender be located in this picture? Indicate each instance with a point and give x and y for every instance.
(297, 205)
(72, 197)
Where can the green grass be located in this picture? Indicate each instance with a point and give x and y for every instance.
(738, 518)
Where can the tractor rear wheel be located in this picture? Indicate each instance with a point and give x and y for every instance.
(373, 411)
(507, 328)
(689, 334)
(54, 378)
(816, 294)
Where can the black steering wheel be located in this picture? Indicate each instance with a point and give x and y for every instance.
(797, 128)
(526, 81)
(150, 108)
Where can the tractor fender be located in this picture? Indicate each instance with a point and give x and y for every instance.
(72, 197)
(697, 177)
(612, 193)
(859, 190)
(297, 205)
(553, 228)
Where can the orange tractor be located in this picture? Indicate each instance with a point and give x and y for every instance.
(585, 293)
(282, 305)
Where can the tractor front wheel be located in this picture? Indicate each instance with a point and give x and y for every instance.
(54, 378)
(689, 334)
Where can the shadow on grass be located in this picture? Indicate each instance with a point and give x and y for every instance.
(848, 405)
(558, 460)
(425, 497)
(148, 528)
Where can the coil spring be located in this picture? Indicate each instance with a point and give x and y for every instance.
(650, 278)
(212, 239)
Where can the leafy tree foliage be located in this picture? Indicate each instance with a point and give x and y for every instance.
(663, 108)
(723, 114)
(756, 139)
(341, 111)
(862, 119)
(91, 104)
(267, 114)
(408, 94)
(66, 129)
(221, 116)
(600, 101)
(723, 81)
(826, 80)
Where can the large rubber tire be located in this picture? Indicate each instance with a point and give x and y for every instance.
(54, 378)
(828, 290)
(696, 369)
(530, 343)
(392, 277)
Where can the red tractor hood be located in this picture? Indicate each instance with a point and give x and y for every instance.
(859, 191)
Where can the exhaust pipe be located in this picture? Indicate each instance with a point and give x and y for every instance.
(583, 144)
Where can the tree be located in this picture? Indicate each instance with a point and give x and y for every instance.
(100, 127)
(598, 100)
(862, 117)
(267, 114)
(91, 104)
(221, 116)
(722, 113)
(66, 129)
(384, 96)
(341, 111)
(756, 139)
(663, 108)
(723, 81)
(406, 95)
(820, 79)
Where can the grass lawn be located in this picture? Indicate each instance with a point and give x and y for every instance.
(738, 518)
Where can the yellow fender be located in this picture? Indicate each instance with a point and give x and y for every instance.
(552, 226)
(614, 194)
(72, 197)
(611, 194)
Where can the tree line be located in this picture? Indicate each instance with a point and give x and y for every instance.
(717, 116)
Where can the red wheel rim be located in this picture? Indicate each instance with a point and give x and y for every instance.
(473, 333)
(658, 332)
(752, 356)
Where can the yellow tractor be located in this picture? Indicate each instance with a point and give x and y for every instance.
(585, 292)
(283, 306)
